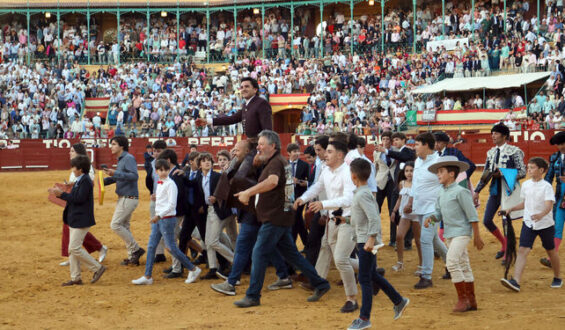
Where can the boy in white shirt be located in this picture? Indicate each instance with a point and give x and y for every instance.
(163, 225)
(538, 202)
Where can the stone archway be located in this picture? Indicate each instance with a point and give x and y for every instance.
(286, 111)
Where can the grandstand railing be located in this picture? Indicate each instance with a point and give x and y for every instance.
(258, 8)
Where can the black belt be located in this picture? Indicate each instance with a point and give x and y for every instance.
(130, 197)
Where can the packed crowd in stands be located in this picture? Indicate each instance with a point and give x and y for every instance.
(365, 93)
(161, 43)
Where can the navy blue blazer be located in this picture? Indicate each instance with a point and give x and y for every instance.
(301, 173)
(79, 211)
(402, 156)
(457, 153)
(182, 196)
(199, 197)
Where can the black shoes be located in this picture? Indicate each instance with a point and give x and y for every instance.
(447, 275)
(160, 258)
(211, 275)
(200, 260)
(173, 275)
(136, 256)
(349, 307)
(499, 255)
(71, 282)
(423, 283)
(246, 302)
(318, 293)
(98, 274)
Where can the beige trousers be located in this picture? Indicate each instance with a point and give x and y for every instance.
(214, 229)
(78, 255)
(457, 260)
(121, 222)
(338, 242)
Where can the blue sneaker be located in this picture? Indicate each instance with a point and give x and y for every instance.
(399, 309)
(360, 324)
(510, 284)
(556, 283)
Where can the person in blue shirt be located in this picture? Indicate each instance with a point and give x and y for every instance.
(557, 170)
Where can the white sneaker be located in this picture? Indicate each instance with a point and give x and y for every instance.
(65, 263)
(398, 267)
(103, 252)
(193, 275)
(143, 281)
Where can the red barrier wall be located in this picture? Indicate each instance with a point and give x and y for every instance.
(54, 154)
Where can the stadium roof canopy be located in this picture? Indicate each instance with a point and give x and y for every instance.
(479, 83)
(122, 3)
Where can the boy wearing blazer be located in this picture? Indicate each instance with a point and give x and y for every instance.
(204, 201)
(79, 216)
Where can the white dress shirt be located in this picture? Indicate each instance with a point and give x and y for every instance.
(425, 186)
(501, 148)
(337, 186)
(206, 187)
(166, 198)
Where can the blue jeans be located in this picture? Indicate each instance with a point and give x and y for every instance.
(367, 276)
(164, 228)
(243, 249)
(270, 238)
(429, 240)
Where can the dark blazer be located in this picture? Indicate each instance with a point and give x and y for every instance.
(256, 116)
(149, 170)
(457, 153)
(199, 197)
(301, 173)
(402, 156)
(79, 212)
(182, 196)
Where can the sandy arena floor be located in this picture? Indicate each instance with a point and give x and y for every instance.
(31, 295)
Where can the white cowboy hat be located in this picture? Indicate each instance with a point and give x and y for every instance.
(445, 161)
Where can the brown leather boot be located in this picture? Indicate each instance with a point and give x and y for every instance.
(462, 301)
(470, 289)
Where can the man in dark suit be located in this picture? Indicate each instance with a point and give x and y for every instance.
(389, 159)
(442, 140)
(255, 116)
(300, 175)
(79, 216)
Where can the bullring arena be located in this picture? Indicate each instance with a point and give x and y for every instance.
(32, 296)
